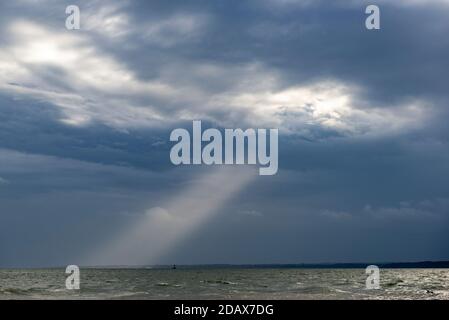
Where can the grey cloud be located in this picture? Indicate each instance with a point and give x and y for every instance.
(84, 144)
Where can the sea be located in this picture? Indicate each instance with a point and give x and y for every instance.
(224, 283)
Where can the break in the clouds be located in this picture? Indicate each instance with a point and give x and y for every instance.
(86, 115)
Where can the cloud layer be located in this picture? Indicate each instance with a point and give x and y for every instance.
(85, 117)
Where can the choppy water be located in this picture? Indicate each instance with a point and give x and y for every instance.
(225, 284)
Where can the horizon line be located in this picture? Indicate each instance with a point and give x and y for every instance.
(325, 265)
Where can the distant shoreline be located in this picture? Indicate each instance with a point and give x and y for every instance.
(355, 265)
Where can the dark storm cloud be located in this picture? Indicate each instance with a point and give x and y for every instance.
(306, 43)
(34, 128)
(79, 156)
(297, 42)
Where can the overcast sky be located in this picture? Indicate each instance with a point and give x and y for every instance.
(85, 119)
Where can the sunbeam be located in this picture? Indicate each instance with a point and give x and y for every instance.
(161, 228)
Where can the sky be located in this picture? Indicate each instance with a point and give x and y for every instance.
(86, 115)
